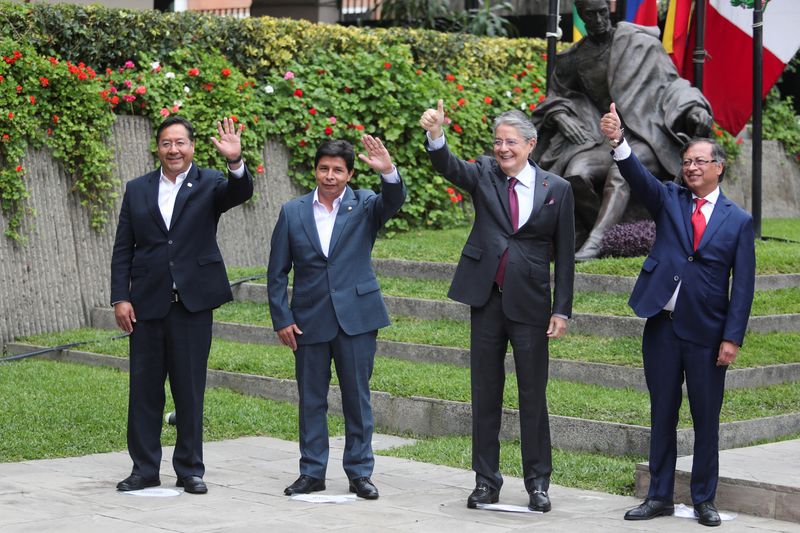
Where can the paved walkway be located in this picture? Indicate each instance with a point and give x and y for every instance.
(246, 478)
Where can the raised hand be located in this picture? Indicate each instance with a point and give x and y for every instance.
(377, 156)
(229, 143)
(432, 120)
(611, 125)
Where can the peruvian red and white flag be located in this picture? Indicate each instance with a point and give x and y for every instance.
(728, 72)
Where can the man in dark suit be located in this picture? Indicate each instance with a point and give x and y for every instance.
(521, 211)
(696, 318)
(167, 275)
(336, 307)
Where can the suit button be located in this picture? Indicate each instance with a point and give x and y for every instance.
(172, 263)
(676, 278)
(690, 258)
(169, 241)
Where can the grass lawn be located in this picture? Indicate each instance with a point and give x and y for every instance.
(406, 379)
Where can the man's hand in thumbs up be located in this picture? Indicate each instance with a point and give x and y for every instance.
(433, 119)
(611, 125)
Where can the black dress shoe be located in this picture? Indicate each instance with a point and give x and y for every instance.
(192, 484)
(137, 482)
(364, 488)
(539, 501)
(305, 485)
(650, 509)
(483, 494)
(707, 514)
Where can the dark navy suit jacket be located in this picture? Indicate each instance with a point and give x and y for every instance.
(340, 290)
(148, 257)
(709, 308)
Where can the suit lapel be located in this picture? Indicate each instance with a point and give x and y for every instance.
(686, 214)
(500, 182)
(718, 216)
(309, 224)
(541, 183)
(184, 192)
(151, 200)
(342, 217)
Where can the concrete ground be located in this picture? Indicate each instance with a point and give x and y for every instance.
(246, 478)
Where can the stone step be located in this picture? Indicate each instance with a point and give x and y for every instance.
(581, 371)
(761, 480)
(586, 323)
(583, 282)
(433, 417)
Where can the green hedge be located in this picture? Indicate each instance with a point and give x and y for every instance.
(355, 80)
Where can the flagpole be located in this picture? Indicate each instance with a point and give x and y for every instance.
(553, 35)
(758, 37)
(699, 55)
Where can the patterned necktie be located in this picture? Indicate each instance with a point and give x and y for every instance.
(698, 221)
(513, 206)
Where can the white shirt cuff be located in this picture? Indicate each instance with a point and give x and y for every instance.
(559, 315)
(623, 151)
(391, 177)
(434, 144)
(238, 173)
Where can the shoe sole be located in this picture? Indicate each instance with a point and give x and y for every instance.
(474, 505)
(666, 512)
(147, 485)
(288, 492)
(541, 510)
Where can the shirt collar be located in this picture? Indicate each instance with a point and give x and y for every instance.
(711, 197)
(336, 201)
(526, 176)
(178, 179)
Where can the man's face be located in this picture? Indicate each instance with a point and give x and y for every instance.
(701, 174)
(510, 149)
(332, 177)
(175, 150)
(595, 17)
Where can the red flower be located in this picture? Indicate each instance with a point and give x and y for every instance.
(128, 97)
(234, 118)
(541, 97)
(738, 141)
(457, 129)
(49, 131)
(82, 76)
(298, 92)
(328, 130)
(320, 72)
(454, 199)
(718, 133)
(487, 99)
(450, 77)
(419, 71)
(44, 81)
(535, 90)
(114, 100)
(313, 111)
(6, 137)
(347, 89)
(53, 60)
(19, 168)
(2, 79)
(451, 191)
(11, 114)
(514, 76)
(32, 99)
(164, 112)
(544, 56)
(302, 142)
(387, 65)
(226, 72)
(461, 101)
(260, 169)
(19, 89)
(459, 197)
(359, 127)
(517, 89)
(208, 86)
(531, 107)
(193, 72)
(175, 109)
(55, 119)
(141, 89)
(460, 87)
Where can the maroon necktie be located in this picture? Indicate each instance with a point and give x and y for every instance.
(698, 221)
(513, 205)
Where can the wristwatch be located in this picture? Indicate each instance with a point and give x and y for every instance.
(616, 142)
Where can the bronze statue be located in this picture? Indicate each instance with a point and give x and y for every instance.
(625, 64)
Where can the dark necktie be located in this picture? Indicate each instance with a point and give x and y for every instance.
(698, 221)
(513, 205)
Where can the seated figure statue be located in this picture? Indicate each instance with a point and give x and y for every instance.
(660, 110)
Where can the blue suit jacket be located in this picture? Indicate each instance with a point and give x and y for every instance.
(709, 308)
(340, 290)
(148, 257)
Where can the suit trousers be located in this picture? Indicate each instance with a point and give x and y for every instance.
(667, 359)
(176, 346)
(354, 357)
(490, 333)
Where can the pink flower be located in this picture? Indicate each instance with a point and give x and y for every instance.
(289, 75)
(127, 83)
(175, 109)
(141, 89)
(260, 169)
(164, 112)
(129, 64)
(332, 120)
(128, 97)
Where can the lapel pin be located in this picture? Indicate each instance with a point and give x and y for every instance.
(349, 207)
(188, 184)
(544, 184)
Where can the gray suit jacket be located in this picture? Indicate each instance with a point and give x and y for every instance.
(340, 290)
(526, 294)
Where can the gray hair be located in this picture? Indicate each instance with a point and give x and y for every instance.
(717, 152)
(518, 120)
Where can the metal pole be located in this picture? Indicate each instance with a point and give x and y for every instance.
(552, 38)
(699, 55)
(758, 36)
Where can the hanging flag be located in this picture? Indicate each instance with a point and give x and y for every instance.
(728, 72)
(578, 28)
(643, 12)
(676, 33)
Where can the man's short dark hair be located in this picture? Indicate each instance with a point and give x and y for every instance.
(171, 121)
(717, 152)
(337, 148)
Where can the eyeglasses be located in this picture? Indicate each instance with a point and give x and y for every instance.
(511, 143)
(686, 163)
(179, 144)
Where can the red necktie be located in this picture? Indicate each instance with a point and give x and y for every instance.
(698, 221)
(513, 205)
